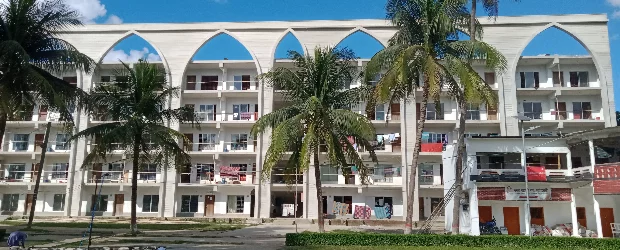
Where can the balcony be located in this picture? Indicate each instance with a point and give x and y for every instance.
(221, 88)
(240, 117)
(430, 175)
(103, 117)
(513, 172)
(31, 117)
(121, 176)
(47, 177)
(380, 175)
(230, 176)
(27, 147)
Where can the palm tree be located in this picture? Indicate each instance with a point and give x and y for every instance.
(618, 117)
(319, 118)
(140, 132)
(490, 6)
(426, 47)
(30, 55)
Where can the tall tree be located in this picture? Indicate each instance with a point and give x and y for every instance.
(319, 117)
(32, 54)
(492, 9)
(138, 103)
(618, 117)
(426, 47)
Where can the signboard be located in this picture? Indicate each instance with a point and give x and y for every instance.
(536, 194)
(536, 173)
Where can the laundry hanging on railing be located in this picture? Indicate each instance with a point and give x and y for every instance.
(246, 116)
(229, 171)
(341, 209)
(383, 212)
(362, 212)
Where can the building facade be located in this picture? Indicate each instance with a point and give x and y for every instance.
(560, 93)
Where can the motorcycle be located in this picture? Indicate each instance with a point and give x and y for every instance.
(489, 227)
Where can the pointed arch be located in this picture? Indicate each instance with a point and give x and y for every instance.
(130, 33)
(222, 46)
(595, 58)
(215, 34)
(556, 41)
(288, 34)
(361, 33)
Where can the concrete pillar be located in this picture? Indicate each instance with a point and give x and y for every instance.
(573, 212)
(473, 211)
(263, 188)
(597, 217)
(310, 195)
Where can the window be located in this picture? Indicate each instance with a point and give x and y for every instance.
(190, 82)
(235, 204)
(241, 112)
(489, 78)
(582, 110)
(425, 174)
(121, 78)
(62, 142)
(579, 79)
(204, 171)
(189, 203)
(20, 142)
(239, 141)
(434, 138)
(558, 78)
(470, 135)
(206, 141)
(59, 171)
(473, 112)
(533, 110)
(241, 82)
(100, 203)
(148, 172)
(209, 83)
(346, 200)
(576, 162)
(432, 113)
(385, 173)
(10, 202)
(206, 112)
(529, 80)
(150, 203)
(59, 202)
(70, 79)
(329, 174)
(16, 171)
(383, 201)
(380, 112)
(116, 170)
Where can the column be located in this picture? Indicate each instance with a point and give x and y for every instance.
(263, 192)
(77, 176)
(526, 210)
(473, 211)
(573, 212)
(569, 163)
(597, 207)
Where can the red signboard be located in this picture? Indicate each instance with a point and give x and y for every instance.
(607, 179)
(536, 173)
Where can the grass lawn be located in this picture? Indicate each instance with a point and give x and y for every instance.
(143, 226)
(394, 248)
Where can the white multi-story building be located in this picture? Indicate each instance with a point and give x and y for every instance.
(227, 161)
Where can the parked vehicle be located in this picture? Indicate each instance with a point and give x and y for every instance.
(489, 227)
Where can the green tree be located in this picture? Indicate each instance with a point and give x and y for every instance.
(426, 47)
(138, 104)
(31, 54)
(618, 117)
(319, 117)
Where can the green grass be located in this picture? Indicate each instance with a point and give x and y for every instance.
(34, 230)
(113, 225)
(396, 248)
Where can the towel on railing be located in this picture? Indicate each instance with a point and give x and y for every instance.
(383, 212)
(362, 212)
(340, 208)
(229, 171)
(246, 116)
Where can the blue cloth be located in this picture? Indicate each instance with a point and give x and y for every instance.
(17, 238)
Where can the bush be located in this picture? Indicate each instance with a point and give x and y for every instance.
(495, 241)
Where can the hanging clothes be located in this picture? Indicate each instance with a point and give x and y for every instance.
(362, 212)
(392, 137)
(380, 139)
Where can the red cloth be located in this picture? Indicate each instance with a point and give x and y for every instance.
(536, 173)
(362, 212)
(229, 171)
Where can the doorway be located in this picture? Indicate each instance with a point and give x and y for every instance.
(607, 217)
(119, 199)
(581, 216)
(28, 203)
(35, 172)
(43, 113)
(538, 216)
(209, 205)
(38, 142)
(421, 208)
(512, 221)
(561, 112)
(485, 213)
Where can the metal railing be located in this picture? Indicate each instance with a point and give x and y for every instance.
(222, 85)
(240, 116)
(583, 115)
(103, 117)
(108, 176)
(47, 176)
(26, 146)
(238, 146)
(22, 116)
(206, 116)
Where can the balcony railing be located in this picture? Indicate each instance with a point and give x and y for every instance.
(120, 176)
(206, 116)
(238, 147)
(26, 146)
(47, 176)
(240, 116)
(222, 85)
(513, 172)
(240, 177)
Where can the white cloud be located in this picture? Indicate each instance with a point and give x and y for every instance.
(616, 4)
(114, 19)
(133, 56)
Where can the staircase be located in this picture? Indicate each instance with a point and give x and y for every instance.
(432, 221)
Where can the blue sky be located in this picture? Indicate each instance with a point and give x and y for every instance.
(143, 11)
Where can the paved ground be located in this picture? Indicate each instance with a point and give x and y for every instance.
(264, 236)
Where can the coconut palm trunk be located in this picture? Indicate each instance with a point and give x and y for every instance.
(414, 162)
(319, 190)
(134, 183)
(458, 179)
